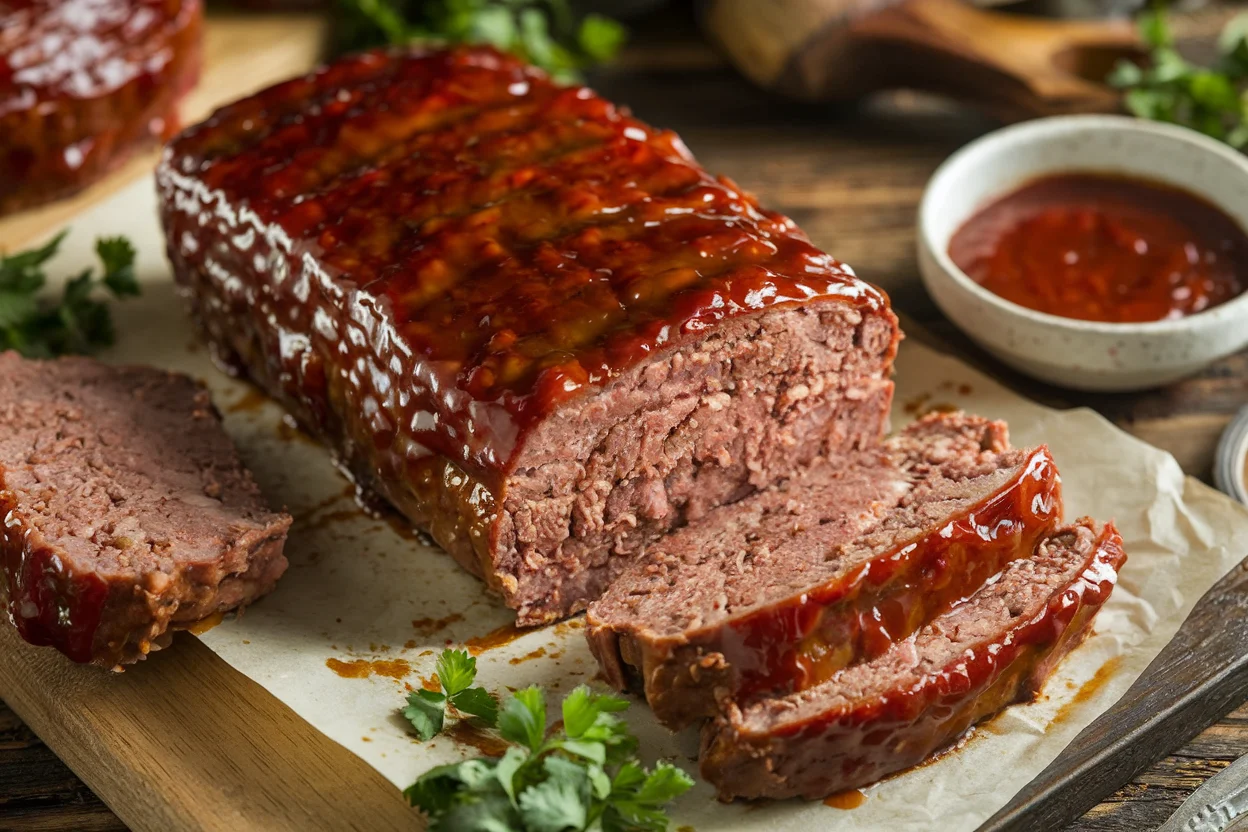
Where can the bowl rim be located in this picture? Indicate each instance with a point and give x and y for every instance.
(1038, 130)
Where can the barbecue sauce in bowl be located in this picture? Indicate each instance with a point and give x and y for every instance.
(1104, 248)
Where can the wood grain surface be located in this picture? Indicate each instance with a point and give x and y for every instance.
(851, 176)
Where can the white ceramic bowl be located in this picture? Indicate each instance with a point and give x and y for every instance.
(1086, 355)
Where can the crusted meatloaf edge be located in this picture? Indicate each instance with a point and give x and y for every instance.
(127, 511)
(890, 714)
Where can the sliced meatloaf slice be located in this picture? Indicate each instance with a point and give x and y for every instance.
(528, 320)
(783, 589)
(891, 713)
(126, 510)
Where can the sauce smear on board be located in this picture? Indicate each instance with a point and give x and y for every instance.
(1104, 248)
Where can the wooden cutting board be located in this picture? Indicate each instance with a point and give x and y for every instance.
(184, 741)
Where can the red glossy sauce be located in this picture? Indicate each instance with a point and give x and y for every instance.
(49, 605)
(800, 643)
(1104, 248)
(478, 242)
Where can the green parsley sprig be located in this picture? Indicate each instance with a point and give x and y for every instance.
(582, 776)
(547, 33)
(1212, 100)
(426, 709)
(38, 327)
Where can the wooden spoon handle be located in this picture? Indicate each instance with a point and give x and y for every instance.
(834, 49)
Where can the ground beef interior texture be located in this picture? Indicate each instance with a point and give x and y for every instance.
(825, 570)
(126, 510)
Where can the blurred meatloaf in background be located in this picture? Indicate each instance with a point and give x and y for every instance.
(531, 322)
(126, 510)
(83, 83)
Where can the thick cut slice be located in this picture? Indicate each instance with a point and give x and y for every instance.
(893, 712)
(83, 84)
(780, 591)
(531, 322)
(126, 511)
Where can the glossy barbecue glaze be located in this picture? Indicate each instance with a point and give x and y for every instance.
(506, 241)
(835, 739)
(59, 609)
(856, 617)
(82, 82)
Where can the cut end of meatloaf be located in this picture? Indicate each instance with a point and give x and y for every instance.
(779, 590)
(126, 510)
(696, 427)
(891, 713)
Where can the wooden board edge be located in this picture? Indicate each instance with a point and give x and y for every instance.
(184, 741)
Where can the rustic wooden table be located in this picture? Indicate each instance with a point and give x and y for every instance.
(852, 177)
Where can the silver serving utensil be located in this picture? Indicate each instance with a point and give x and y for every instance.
(1216, 805)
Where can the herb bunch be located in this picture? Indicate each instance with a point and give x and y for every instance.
(79, 323)
(1212, 100)
(581, 775)
(547, 33)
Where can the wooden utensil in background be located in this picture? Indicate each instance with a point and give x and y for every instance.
(1016, 67)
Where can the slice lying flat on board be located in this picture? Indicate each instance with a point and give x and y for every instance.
(531, 322)
(778, 592)
(894, 711)
(126, 511)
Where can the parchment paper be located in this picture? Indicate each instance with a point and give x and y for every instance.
(380, 602)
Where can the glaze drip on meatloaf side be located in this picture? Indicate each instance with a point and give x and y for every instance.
(531, 322)
(831, 568)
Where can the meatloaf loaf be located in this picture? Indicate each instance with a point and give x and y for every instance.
(782, 590)
(85, 82)
(894, 711)
(126, 511)
(531, 322)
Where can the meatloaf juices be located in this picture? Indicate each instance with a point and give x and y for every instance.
(892, 712)
(531, 322)
(126, 512)
(781, 591)
(85, 82)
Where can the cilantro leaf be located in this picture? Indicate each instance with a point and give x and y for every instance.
(582, 708)
(477, 702)
(426, 710)
(18, 270)
(1212, 100)
(117, 256)
(456, 670)
(523, 718)
(80, 322)
(550, 34)
(665, 783)
(560, 802)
